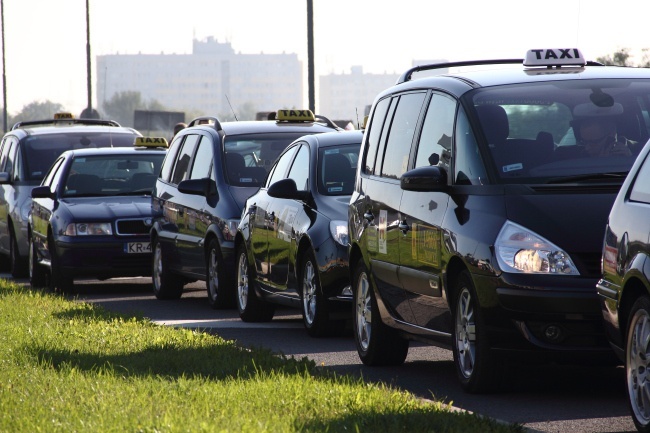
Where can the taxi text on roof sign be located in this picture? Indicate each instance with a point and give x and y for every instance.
(295, 116)
(151, 142)
(63, 116)
(554, 57)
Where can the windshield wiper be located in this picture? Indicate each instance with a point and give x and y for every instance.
(588, 177)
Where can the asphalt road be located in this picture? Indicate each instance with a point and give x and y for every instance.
(576, 399)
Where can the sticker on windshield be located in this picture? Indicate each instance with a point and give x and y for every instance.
(331, 151)
(512, 167)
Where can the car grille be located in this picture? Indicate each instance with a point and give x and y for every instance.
(132, 227)
(588, 262)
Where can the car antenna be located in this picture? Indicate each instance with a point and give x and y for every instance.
(233, 111)
(356, 110)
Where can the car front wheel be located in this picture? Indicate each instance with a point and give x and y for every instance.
(166, 285)
(251, 307)
(219, 291)
(377, 344)
(637, 363)
(476, 368)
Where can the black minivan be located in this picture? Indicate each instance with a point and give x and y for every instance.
(480, 206)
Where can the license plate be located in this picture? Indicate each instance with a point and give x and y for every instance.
(137, 247)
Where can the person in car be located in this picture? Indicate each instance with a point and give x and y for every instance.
(599, 138)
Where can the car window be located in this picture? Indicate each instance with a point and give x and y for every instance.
(374, 133)
(400, 136)
(182, 165)
(49, 177)
(337, 169)
(641, 188)
(532, 130)
(469, 168)
(168, 165)
(300, 169)
(434, 145)
(281, 166)
(202, 160)
(6, 150)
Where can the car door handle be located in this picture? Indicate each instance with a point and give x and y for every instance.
(404, 227)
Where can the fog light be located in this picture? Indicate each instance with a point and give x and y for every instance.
(553, 333)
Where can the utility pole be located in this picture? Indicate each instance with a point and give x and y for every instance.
(310, 55)
(89, 112)
(4, 75)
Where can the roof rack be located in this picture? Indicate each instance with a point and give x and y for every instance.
(406, 76)
(98, 122)
(326, 121)
(206, 120)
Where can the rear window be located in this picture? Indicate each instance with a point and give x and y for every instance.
(40, 151)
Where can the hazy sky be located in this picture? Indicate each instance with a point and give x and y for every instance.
(45, 40)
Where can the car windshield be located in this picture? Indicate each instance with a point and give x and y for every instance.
(41, 150)
(112, 175)
(248, 158)
(561, 131)
(337, 168)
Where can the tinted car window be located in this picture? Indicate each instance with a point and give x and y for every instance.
(281, 167)
(182, 165)
(469, 168)
(401, 134)
(337, 169)
(300, 169)
(641, 188)
(202, 160)
(374, 133)
(434, 146)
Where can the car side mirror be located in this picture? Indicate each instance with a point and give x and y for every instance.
(429, 178)
(42, 192)
(5, 177)
(205, 187)
(286, 188)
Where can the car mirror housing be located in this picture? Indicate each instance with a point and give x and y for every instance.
(42, 192)
(429, 178)
(286, 188)
(205, 187)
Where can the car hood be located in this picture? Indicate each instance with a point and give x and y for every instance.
(240, 194)
(103, 208)
(335, 207)
(574, 220)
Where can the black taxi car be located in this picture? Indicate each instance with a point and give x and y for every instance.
(211, 168)
(91, 215)
(293, 236)
(624, 288)
(480, 206)
(26, 153)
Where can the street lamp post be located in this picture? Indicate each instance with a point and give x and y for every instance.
(4, 75)
(89, 112)
(310, 54)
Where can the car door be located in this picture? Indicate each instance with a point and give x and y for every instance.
(176, 206)
(42, 208)
(197, 209)
(422, 214)
(262, 219)
(7, 196)
(286, 211)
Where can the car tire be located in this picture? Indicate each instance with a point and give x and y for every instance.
(637, 344)
(166, 284)
(477, 368)
(58, 281)
(18, 265)
(37, 273)
(220, 293)
(251, 307)
(315, 306)
(377, 344)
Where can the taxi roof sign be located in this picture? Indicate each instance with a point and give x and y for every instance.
(550, 57)
(151, 142)
(295, 116)
(63, 116)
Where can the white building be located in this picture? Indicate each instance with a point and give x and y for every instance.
(205, 80)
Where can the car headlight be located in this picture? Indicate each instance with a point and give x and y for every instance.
(523, 251)
(88, 229)
(339, 231)
(230, 230)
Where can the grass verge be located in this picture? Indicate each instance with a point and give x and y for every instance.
(74, 367)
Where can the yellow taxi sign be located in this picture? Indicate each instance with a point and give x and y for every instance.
(62, 116)
(151, 142)
(295, 116)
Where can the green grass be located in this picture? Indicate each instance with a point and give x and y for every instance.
(73, 367)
